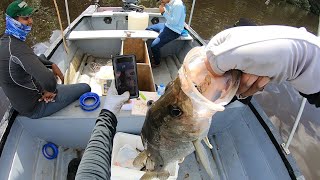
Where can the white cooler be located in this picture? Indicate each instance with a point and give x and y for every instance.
(120, 173)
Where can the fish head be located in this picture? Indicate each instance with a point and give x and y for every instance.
(168, 130)
(186, 108)
(172, 109)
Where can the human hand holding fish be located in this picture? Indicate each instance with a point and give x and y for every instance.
(265, 54)
(249, 83)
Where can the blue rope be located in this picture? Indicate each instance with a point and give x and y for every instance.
(89, 107)
(54, 148)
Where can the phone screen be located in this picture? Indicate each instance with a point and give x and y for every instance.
(126, 75)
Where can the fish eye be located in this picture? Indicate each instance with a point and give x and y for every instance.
(150, 102)
(174, 111)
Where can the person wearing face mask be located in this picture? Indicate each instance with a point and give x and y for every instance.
(24, 77)
(174, 12)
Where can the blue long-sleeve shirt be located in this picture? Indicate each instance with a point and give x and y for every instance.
(175, 15)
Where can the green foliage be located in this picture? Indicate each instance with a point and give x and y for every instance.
(2, 22)
(304, 4)
(315, 6)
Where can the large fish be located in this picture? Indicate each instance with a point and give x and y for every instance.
(177, 122)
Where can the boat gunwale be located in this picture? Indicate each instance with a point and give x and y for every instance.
(5, 125)
(288, 160)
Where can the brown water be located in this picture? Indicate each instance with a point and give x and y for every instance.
(281, 102)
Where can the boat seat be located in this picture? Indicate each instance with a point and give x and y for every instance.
(116, 34)
(77, 123)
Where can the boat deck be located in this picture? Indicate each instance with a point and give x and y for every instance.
(242, 148)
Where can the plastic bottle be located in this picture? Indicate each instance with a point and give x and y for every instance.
(138, 21)
(161, 89)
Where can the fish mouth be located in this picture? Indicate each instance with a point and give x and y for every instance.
(231, 87)
(212, 92)
(202, 86)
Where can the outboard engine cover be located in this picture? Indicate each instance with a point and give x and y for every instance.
(132, 5)
(135, 2)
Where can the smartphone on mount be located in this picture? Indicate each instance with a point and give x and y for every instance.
(125, 74)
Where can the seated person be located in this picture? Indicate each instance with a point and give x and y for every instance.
(24, 77)
(175, 13)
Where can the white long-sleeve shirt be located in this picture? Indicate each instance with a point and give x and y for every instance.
(280, 52)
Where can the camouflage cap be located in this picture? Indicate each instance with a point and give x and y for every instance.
(19, 8)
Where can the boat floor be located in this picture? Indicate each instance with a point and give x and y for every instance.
(242, 148)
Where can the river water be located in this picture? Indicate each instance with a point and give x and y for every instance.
(280, 102)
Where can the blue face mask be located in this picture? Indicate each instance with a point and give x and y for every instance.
(16, 29)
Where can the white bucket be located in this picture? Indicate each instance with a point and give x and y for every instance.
(120, 173)
(138, 21)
